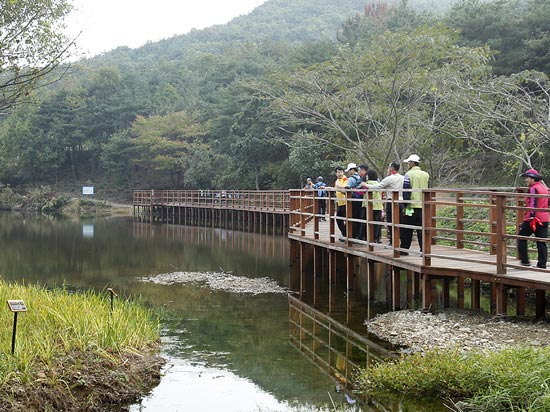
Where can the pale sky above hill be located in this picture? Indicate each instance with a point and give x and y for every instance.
(107, 24)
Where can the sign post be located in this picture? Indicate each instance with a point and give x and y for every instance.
(113, 295)
(15, 306)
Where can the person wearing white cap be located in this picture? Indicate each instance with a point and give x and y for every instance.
(354, 182)
(415, 179)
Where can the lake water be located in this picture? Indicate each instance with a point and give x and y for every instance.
(226, 351)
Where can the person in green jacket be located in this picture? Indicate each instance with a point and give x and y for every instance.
(415, 179)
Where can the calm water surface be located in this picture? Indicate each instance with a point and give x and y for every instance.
(226, 352)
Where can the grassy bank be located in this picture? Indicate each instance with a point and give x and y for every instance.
(516, 379)
(72, 352)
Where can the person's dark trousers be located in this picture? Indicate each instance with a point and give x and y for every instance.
(407, 234)
(356, 212)
(341, 212)
(363, 225)
(542, 249)
(389, 220)
(377, 216)
(322, 206)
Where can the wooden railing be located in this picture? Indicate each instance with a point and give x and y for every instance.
(481, 220)
(274, 201)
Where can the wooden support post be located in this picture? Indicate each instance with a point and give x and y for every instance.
(396, 288)
(416, 287)
(540, 311)
(388, 281)
(332, 279)
(349, 273)
(460, 293)
(493, 299)
(446, 293)
(501, 304)
(520, 302)
(410, 292)
(426, 292)
(475, 294)
(302, 268)
(371, 268)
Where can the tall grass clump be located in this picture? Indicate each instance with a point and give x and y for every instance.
(60, 323)
(515, 379)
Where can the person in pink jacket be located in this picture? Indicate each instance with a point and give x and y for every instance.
(535, 220)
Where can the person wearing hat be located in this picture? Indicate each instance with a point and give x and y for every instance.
(415, 179)
(535, 220)
(354, 182)
(309, 184)
(320, 186)
(341, 180)
(393, 182)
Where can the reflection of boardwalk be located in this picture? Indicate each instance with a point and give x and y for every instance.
(268, 245)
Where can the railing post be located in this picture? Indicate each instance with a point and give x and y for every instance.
(427, 223)
(331, 209)
(492, 224)
(460, 220)
(500, 232)
(395, 220)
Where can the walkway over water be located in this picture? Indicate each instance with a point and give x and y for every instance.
(468, 235)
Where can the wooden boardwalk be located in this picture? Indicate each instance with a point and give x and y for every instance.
(445, 260)
(469, 236)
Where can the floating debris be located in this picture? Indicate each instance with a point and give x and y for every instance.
(219, 281)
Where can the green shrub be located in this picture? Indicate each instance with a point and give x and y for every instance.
(515, 379)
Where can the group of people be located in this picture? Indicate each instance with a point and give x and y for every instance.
(360, 178)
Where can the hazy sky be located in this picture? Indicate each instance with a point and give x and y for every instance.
(107, 24)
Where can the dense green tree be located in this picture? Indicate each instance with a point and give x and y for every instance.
(161, 144)
(381, 103)
(32, 45)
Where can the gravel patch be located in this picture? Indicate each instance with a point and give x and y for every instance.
(419, 331)
(219, 281)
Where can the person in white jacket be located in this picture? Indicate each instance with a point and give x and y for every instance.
(392, 182)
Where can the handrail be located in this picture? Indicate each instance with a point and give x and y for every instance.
(275, 201)
(483, 220)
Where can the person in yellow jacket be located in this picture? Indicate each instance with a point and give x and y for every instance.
(377, 207)
(415, 179)
(341, 181)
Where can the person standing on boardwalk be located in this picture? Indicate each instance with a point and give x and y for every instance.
(415, 179)
(341, 181)
(309, 184)
(362, 235)
(377, 207)
(392, 182)
(535, 221)
(321, 186)
(354, 182)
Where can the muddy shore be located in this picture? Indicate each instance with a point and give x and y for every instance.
(83, 382)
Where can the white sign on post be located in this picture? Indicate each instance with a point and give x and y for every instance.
(87, 190)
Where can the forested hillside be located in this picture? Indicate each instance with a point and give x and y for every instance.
(293, 89)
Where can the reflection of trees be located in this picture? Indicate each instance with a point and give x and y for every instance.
(248, 334)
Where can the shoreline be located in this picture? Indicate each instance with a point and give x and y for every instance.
(81, 381)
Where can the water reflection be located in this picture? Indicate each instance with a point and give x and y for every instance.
(243, 339)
